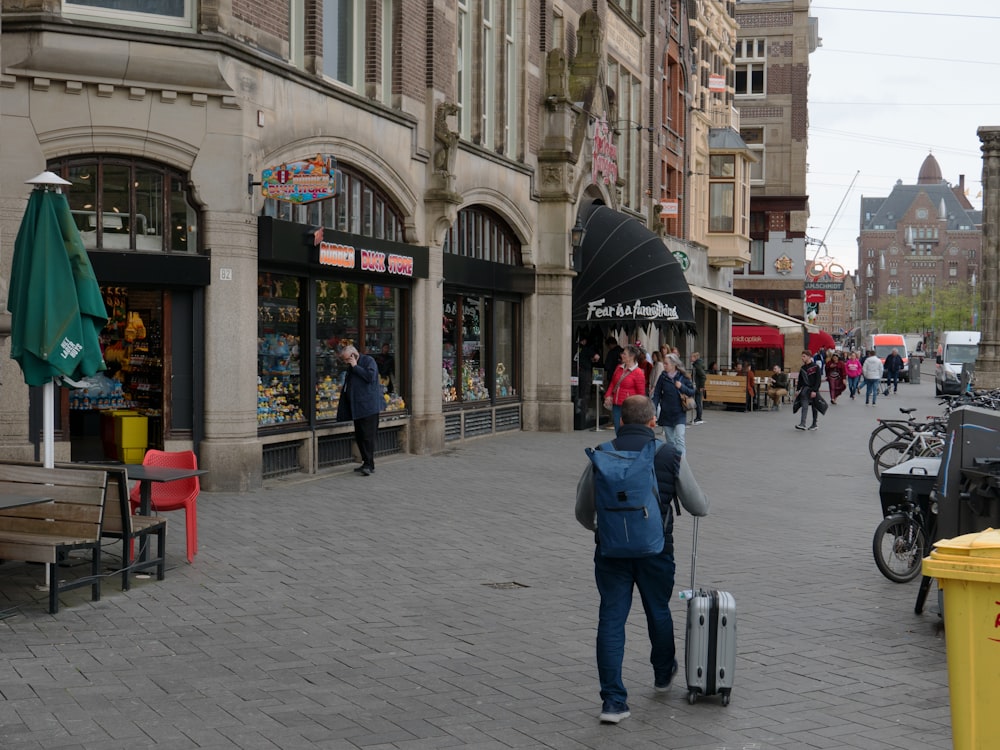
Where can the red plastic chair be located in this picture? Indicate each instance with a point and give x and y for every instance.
(179, 495)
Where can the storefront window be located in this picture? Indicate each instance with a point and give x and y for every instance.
(336, 327)
(123, 204)
(506, 326)
(382, 340)
(278, 352)
(478, 349)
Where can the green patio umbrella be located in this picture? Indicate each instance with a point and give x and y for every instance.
(56, 307)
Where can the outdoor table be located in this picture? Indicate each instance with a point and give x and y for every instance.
(146, 475)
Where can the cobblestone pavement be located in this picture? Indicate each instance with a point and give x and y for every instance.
(448, 602)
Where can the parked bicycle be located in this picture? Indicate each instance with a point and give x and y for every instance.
(890, 430)
(903, 538)
(923, 439)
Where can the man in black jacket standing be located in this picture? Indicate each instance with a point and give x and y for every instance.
(893, 366)
(810, 379)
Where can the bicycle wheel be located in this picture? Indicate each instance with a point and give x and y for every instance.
(899, 546)
(891, 454)
(886, 432)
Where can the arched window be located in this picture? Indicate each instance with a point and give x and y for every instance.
(479, 233)
(361, 207)
(120, 203)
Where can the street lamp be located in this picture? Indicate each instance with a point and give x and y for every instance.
(576, 237)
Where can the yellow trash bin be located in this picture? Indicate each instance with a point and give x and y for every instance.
(968, 571)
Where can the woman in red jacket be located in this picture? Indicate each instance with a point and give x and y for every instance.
(627, 380)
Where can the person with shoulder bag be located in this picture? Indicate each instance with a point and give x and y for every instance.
(669, 395)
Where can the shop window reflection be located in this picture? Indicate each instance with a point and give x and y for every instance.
(278, 350)
(336, 327)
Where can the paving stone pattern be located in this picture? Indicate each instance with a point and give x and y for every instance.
(448, 602)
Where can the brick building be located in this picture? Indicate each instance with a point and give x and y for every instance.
(919, 236)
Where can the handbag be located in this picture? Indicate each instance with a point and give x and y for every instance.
(609, 401)
(687, 403)
(821, 404)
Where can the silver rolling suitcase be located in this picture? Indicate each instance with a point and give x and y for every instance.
(710, 652)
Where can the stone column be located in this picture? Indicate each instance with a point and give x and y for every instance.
(988, 363)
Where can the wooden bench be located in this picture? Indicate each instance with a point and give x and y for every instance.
(47, 532)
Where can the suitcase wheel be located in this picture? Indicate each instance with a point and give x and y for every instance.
(692, 696)
(725, 698)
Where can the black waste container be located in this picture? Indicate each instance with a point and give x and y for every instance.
(969, 493)
(919, 474)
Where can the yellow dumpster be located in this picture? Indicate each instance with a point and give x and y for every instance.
(968, 571)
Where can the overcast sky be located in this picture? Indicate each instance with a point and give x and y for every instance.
(892, 82)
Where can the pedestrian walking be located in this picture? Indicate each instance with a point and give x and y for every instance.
(853, 368)
(892, 367)
(872, 371)
(667, 396)
(699, 377)
(653, 575)
(836, 376)
(810, 379)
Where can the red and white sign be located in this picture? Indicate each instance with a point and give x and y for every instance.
(716, 83)
(669, 209)
(815, 295)
(604, 160)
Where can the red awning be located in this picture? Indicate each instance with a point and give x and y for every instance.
(821, 340)
(757, 337)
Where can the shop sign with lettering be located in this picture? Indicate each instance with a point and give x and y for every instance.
(303, 181)
(373, 261)
(604, 161)
(600, 309)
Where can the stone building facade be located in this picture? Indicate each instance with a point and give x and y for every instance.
(774, 42)
(458, 141)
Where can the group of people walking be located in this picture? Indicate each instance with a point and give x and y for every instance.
(663, 378)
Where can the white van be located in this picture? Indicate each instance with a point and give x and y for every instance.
(955, 348)
(883, 344)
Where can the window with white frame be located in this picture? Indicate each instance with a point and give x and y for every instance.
(722, 193)
(631, 8)
(464, 70)
(750, 67)
(343, 41)
(296, 32)
(628, 130)
(385, 54)
(558, 29)
(511, 61)
(489, 89)
(135, 12)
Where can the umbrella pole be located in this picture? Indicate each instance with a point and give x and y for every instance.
(48, 425)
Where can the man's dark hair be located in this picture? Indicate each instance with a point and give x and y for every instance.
(637, 410)
(611, 341)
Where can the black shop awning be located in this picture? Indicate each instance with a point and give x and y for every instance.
(627, 275)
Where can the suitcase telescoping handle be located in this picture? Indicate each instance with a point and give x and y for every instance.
(694, 552)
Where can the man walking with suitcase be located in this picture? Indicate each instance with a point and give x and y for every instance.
(652, 574)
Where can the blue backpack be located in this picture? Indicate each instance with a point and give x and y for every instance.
(627, 501)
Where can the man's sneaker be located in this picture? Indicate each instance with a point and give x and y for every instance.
(698, 421)
(660, 684)
(800, 427)
(614, 715)
(814, 427)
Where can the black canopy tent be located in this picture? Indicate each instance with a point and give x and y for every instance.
(627, 277)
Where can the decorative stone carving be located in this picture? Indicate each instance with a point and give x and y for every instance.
(445, 138)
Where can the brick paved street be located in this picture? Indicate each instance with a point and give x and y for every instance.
(449, 602)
